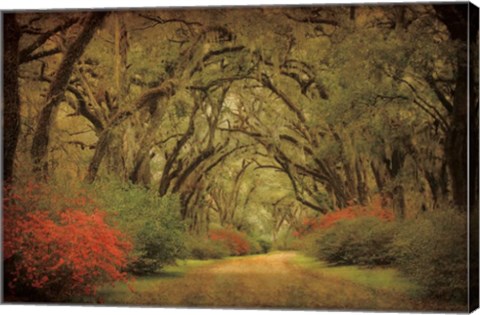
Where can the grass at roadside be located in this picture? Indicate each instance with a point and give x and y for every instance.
(122, 293)
(375, 278)
(183, 266)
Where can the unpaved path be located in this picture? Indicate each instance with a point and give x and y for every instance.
(272, 280)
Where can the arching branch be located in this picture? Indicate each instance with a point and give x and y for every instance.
(25, 54)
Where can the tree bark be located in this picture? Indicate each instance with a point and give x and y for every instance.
(120, 58)
(204, 155)
(350, 180)
(379, 177)
(141, 173)
(11, 110)
(57, 90)
(166, 89)
(362, 187)
(455, 18)
(166, 174)
(100, 151)
(456, 139)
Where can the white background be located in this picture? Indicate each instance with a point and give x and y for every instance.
(49, 4)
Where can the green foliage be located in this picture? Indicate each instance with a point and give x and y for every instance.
(204, 248)
(160, 242)
(286, 241)
(254, 245)
(362, 241)
(265, 245)
(152, 222)
(308, 244)
(432, 250)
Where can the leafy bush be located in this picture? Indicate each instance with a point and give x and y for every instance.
(153, 223)
(265, 245)
(285, 239)
(308, 243)
(432, 250)
(204, 248)
(254, 245)
(224, 242)
(160, 242)
(361, 241)
(57, 254)
(236, 242)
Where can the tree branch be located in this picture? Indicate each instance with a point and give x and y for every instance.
(441, 97)
(41, 54)
(268, 84)
(311, 19)
(24, 53)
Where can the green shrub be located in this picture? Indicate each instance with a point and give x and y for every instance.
(308, 244)
(204, 248)
(207, 248)
(160, 242)
(152, 222)
(432, 250)
(285, 240)
(254, 245)
(362, 241)
(265, 245)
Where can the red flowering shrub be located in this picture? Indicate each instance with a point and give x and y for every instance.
(57, 254)
(375, 209)
(236, 242)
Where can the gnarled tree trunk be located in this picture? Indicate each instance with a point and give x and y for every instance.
(56, 92)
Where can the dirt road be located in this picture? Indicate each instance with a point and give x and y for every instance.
(273, 281)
